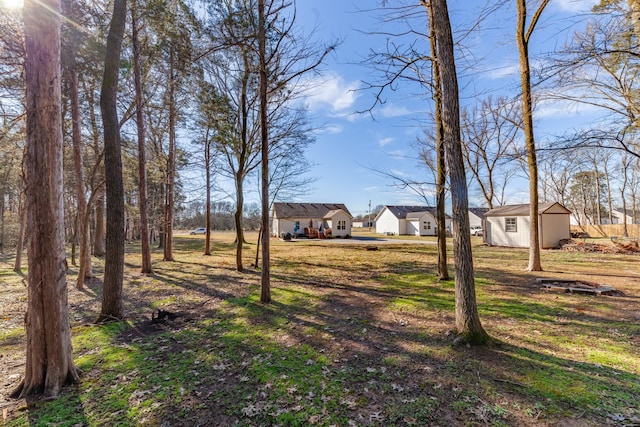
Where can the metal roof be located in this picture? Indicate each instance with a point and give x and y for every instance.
(521, 210)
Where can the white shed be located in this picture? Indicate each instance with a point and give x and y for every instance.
(510, 225)
(408, 220)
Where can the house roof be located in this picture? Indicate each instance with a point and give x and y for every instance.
(521, 210)
(479, 212)
(308, 210)
(401, 212)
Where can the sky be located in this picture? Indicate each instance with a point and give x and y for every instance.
(354, 153)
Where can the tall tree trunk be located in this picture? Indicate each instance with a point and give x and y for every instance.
(522, 37)
(17, 265)
(265, 294)
(634, 5)
(114, 187)
(238, 221)
(443, 272)
(142, 156)
(207, 214)
(468, 323)
(597, 207)
(82, 228)
(49, 357)
(98, 232)
(171, 164)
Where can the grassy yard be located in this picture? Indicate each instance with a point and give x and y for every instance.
(354, 337)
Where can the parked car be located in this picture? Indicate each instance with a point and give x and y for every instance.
(476, 230)
(200, 230)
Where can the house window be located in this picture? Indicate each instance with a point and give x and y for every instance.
(510, 225)
(342, 225)
(426, 225)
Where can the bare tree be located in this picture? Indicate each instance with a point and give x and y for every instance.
(599, 68)
(489, 135)
(523, 35)
(236, 73)
(443, 272)
(468, 323)
(265, 278)
(626, 162)
(84, 268)
(49, 358)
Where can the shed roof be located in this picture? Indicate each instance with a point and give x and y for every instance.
(308, 210)
(523, 210)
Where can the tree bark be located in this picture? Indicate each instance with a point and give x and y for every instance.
(142, 156)
(207, 215)
(49, 356)
(238, 221)
(171, 164)
(522, 38)
(17, 265)
(114, 187)
(98, 231)
(443, 272)
(468, 324)
(265, 293)
(84, 269)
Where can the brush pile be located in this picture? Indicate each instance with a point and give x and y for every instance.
(614, 247)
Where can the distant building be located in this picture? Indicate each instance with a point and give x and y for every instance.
(408, 220)
(364, 223)
(476, 216)
(294, 217)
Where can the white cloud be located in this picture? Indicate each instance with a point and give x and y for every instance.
(503, 70)
(390, 111)
(332, 129)
(575, 5)
(397, 172)
(331, 91)
(558, 109)
(385, 141)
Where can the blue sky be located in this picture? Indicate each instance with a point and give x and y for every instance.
(350, 147)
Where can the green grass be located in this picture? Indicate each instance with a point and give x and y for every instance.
(352, 336)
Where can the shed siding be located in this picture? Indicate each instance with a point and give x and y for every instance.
(497, 236)
(553, 228)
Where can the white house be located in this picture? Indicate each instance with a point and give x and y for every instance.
(294, 217)
(510, 225)
(476, 215)
(408, 220)
(622, 217)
